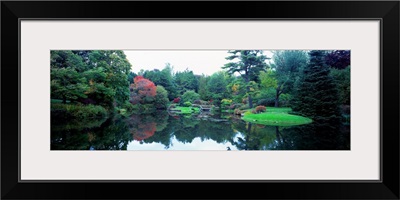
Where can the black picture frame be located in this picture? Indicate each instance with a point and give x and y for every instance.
(13, 11)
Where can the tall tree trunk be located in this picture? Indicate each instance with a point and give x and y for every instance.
(278, 93)
(277, 99)
(250, 101)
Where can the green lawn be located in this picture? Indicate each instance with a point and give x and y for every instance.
(276, 117)
(187, 110)
(279, 110)
(273, 109)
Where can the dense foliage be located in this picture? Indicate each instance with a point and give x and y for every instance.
(97, 102)
(98, 77)
(313, 83)
(287, 65)
(316, 93)
(250, 63)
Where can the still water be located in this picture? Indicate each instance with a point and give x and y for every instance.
(190, 132)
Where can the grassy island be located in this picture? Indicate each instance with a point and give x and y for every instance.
(276, 117)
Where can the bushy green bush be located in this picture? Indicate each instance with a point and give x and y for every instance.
(190, 96)
(187, 104)
(226, 101)
(161, 99)
(246, 113)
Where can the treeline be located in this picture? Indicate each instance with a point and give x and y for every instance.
(251, 79)
(303, 80)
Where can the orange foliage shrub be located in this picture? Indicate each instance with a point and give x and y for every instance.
(260, 109)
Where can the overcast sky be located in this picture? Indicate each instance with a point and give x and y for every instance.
(199, 61)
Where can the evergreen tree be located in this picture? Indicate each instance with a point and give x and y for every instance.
(316, 94)
(217, 87)
(163, 78)
(202, 87)
(247, 63)
(186, 81)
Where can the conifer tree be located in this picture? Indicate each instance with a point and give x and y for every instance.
(316, 94)
(249, 64)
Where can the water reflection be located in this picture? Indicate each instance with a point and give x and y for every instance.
(185, 132)
(175, 144)
(110, 134)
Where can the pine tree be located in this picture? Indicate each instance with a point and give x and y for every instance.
(316, 94)
(249, 64)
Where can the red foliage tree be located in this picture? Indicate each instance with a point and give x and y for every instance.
(177, 100)
(142, 89)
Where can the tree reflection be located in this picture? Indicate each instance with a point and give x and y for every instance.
(112, 134)
(116, 133)
(149, 128)
(142, 126)
(255, 137)
(314, 136)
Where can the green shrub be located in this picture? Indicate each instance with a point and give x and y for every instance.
(190, 96)
(247, 113)
(161, 99)
(187, 104)
(226, 101)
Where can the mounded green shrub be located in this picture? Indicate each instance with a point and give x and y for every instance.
(187, 104)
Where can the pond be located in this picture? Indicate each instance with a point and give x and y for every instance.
(164, 131)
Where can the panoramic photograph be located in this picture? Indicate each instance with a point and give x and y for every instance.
(225, 100)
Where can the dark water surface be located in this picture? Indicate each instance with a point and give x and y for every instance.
(190, 132)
